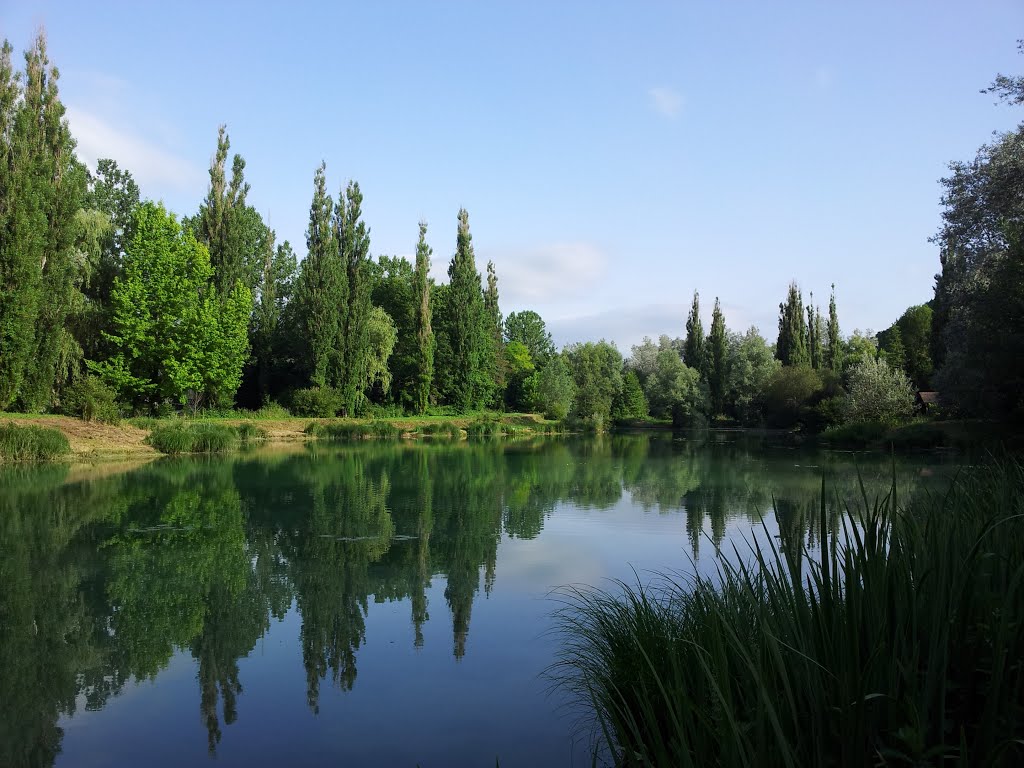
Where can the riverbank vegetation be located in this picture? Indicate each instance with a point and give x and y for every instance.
(897, 639)
(31, 443)
(124, 308)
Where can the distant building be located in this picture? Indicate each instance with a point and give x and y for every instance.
(926, 401)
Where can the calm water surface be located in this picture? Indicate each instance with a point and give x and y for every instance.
(378, 604)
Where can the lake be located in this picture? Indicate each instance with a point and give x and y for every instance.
(372, 604)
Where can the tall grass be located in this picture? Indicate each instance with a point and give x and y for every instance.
(901, 642)
(202, 437)
(344, 431)
(31, 443)
(444, 430)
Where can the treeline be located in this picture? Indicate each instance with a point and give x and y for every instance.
(112, 304)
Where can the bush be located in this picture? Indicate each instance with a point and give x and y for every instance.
(92, 400)
(902, 636)
(248, 432)
(790, 395)
(878, 392)
(31, 443)
(857, 434)
(195, 437)
(316, 402)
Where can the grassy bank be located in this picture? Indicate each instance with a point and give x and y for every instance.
(31, 443)
(902, 644)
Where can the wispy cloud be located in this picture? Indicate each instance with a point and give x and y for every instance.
(666, 101)
(155, 168)
(548, 272)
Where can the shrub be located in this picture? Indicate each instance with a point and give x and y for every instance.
(248, 432)
(878, 392)
(790, 394)
(317, 402)
(856, 434)
(92, 400)
(271, 410)
(31, 443)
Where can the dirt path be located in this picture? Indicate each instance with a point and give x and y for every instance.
(91, 440)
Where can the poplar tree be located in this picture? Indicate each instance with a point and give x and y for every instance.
(717, 356)
(424, 332)
(322, 289)
(42, 187)
(353, 240)
(275, 288)
(465, 320)
(813, 335)
(834, 347)
(222, 224)
(791, 347)
(493, 369)
(693, 348)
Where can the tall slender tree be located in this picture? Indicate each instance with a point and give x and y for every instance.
(717, 359)
(814, 351)
(42, 188)
(693, 349)
(834, 347)
(322, 289)
(424, 331)
(353, 239)
(494, 367)
(791, 347)
(465, 322)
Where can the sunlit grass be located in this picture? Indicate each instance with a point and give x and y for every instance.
(31, 443)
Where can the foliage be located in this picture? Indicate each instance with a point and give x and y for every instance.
(92, 400)
(790, 395)
(31, 443)
(394, 292)
(381, 337)
(693, 350)
(749, 373)
(41, 189)
(196, 437)
(791, 347)
(554, 388)
(519, 369)
(527, 327)
(443, 429)
(833, 346)
(173, 337)
(316, 402)
(464, 326)
(424, 330)
(675, 391)
(631, 402)
(596, 369)
(342, 431)
(879, 392)
(717, 361)
(775, 658)
(907, 344)
(858, 348)
(358, 363)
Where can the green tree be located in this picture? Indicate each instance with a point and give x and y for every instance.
(858, 348)
(891, 349)
(693, 350)
(353, 239)
(394, 292)
(494, 358)
(173, 337)
(791, 347)
(424, 330)
(675, 391)
(268, 324)
(596, 369)
(42, 188)
(750, 371)
(815, 345)
(833, 351)
(631, 402)
(322, 290)
(555, 389)
(717, 353)
(381, 336)
(465, 325)
(527, 327)
(233, 232)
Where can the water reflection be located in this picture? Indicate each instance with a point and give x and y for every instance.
(104, 580)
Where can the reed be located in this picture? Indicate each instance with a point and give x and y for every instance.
(899, 642)
(31, 443)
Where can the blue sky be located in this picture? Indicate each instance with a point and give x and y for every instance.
(613, 157)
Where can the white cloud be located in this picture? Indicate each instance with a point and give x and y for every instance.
(549, 272)
(666, 101)
(154, 168)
